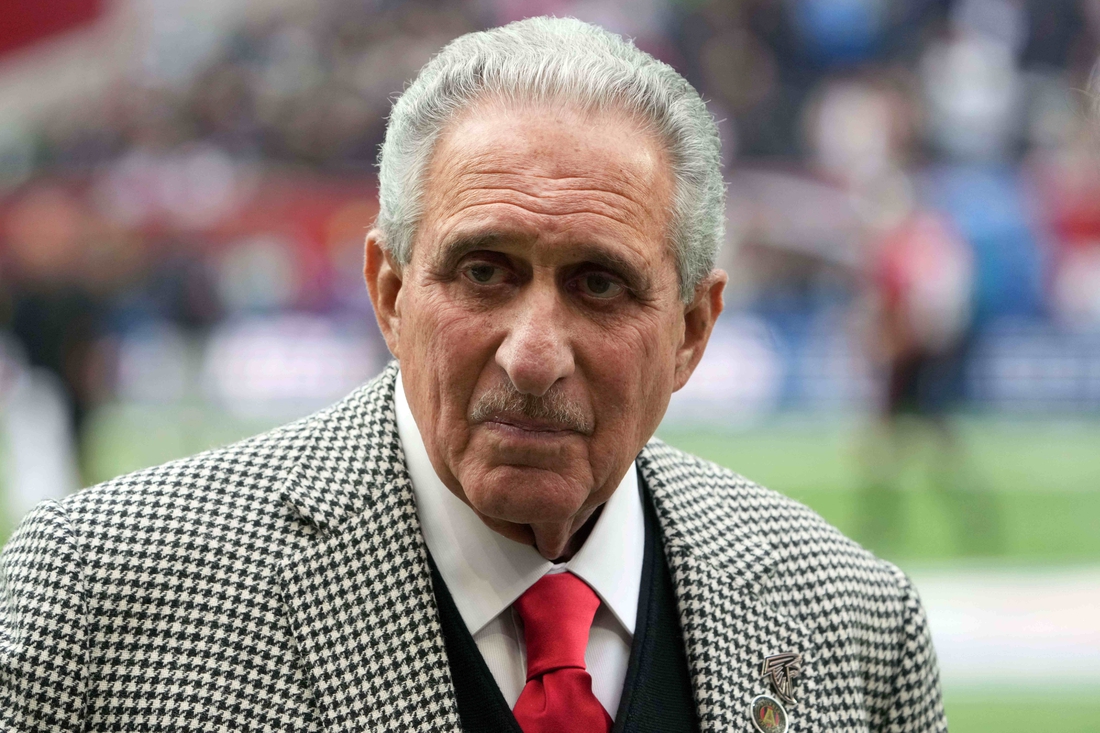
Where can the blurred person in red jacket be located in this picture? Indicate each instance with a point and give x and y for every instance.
(51, 310)
(922, 277)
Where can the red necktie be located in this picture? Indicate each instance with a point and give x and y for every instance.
(557, 614)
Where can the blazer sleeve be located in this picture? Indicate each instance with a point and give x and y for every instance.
(915, 704)
(42, 625)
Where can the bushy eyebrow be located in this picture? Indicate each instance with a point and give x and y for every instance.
(451, 253)
(634, 278)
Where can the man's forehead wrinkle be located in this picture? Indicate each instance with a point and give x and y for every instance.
(504, 226)
(643, 172)
(534, 175)
(584, 185)
(551, 167)
(543, 159)
(557, 204)
(625, 184)
(468, 193)
(580, 195)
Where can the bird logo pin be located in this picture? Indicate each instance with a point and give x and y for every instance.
(780, 670)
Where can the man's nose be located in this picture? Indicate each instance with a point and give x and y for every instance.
(537, 351)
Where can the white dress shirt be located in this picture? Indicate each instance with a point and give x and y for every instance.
(485, 572)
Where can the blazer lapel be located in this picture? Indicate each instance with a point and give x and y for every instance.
(359, 592)
(720, 566)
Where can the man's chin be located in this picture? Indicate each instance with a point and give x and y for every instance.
(523, 495)
(551, 539)
(521, 533)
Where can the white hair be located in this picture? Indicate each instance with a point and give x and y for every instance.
(560, 60)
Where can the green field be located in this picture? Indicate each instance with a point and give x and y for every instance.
(1024, 491)
(1023, 711)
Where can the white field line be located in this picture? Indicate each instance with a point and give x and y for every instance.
(1034, 626)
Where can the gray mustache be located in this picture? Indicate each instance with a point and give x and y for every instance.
(553, 408)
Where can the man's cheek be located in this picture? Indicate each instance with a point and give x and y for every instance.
(631, 376)
(441, 329)
(626, 356)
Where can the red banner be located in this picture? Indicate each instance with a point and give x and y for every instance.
(26, 22)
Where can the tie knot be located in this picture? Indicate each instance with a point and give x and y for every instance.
(557, 613)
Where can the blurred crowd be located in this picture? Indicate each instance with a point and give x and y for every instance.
(914, 205)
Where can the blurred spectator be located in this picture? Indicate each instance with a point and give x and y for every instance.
(36, 440)
(52, 311)
(923, 279)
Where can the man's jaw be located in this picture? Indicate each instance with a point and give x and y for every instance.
(555, 541)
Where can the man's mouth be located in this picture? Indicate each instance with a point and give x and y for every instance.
(527, 424)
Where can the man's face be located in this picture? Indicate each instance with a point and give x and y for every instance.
(538, 323)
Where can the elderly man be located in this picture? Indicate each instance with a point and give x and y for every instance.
(485, 537)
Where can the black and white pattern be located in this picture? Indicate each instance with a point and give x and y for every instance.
(282, 584)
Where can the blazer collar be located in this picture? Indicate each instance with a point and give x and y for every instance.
(721, 562)
(346, 457)
(358, 591)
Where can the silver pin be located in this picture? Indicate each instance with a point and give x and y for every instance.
(781, 669)
(768, 716)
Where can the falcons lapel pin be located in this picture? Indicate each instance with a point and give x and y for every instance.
(780, 670)
(768, 714)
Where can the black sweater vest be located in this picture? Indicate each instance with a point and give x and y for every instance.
(657, 692)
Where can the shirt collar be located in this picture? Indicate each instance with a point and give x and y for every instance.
(485, 571)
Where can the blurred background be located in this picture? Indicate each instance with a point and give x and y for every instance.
(912, 340)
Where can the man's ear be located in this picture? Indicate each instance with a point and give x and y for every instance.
(699, 318)
(383, 276)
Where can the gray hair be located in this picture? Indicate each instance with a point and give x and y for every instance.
(565, 60)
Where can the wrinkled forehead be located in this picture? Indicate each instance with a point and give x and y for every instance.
(554, 168)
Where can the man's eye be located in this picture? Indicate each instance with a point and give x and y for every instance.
(485, 274)
(598, 285)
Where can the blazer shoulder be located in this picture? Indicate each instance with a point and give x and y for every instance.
(863, 608)
(800, 539)
(243, 478)
(43, 675)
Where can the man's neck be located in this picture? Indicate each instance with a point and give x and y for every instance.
(576, 542)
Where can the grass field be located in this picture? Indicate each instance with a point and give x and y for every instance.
(1023, 711)
(1025, 491)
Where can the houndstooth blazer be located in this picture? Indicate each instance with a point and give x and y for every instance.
(281, 584)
